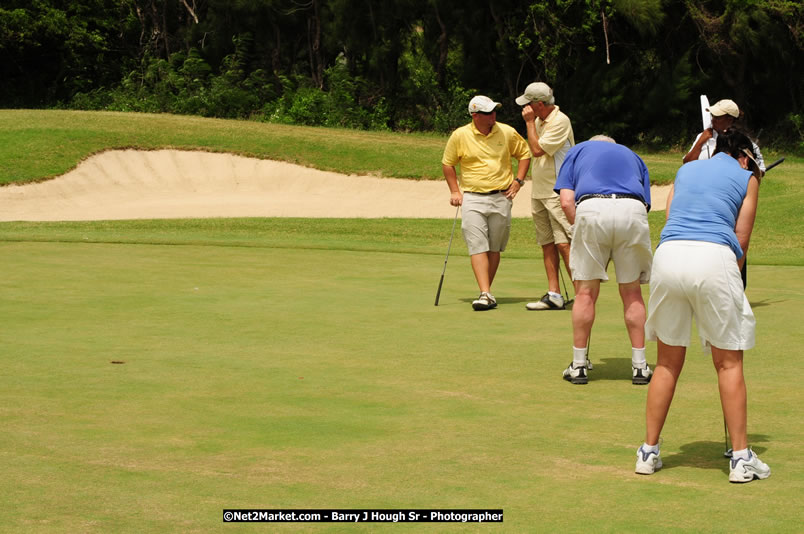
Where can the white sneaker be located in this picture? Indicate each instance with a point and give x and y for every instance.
(576, 375)
(647, 462)
(742, 470)
(547, 302)
(485, 301)
(641, 376)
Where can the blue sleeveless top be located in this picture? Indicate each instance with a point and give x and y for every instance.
(707, 197)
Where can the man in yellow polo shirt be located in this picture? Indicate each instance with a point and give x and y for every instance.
(486, 188)
(550, 137)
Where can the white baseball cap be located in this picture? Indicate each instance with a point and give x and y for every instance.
(725, 107)
(537, 92)
(482, 103)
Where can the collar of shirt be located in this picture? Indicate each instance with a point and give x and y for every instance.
(475, 131)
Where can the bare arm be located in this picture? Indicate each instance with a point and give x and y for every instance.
(669, 201)
(521, 172)
(695, 151)
(456, 197)
(567, 197)
(746, 217)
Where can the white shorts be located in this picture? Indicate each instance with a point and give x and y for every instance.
(485, 222)
(700, 279)
(611, 229)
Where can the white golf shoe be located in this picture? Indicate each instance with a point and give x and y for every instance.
(743, 470)
(647, 462)
(485, 301)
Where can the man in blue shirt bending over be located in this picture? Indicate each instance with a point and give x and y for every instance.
(605, 193)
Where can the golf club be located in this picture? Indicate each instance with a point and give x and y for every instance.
(772, 165)
(444, 270)
(728, 450)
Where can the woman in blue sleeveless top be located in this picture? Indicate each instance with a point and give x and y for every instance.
(696, 273)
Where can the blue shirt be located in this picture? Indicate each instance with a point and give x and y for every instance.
(600, 167)
(707, 196)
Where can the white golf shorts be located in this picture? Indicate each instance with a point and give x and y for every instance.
(698, 279)
(611, 229)
(485, 222)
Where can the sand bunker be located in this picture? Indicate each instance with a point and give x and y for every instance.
(172, 184)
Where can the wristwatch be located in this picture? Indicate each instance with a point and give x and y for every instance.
(520, 182)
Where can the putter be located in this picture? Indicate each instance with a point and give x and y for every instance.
(444, 270)
(567, 300)
(728, 450)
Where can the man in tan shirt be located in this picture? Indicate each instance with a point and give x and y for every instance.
(550, 137)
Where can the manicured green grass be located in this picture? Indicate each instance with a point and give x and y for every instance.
(297, 363)
(304, 378)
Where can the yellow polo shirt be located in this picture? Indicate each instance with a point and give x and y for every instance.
(485, 160)
(555, 138)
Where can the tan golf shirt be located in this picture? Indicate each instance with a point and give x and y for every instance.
(485, 160)
(555, 138)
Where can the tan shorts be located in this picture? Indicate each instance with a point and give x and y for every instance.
(485, 222)
(698, 279)
(615, 230)
(549, 221)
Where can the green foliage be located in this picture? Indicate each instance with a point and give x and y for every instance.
(410, 65)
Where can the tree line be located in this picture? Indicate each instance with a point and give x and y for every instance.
(632, 69)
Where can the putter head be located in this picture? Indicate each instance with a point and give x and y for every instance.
(727, 453)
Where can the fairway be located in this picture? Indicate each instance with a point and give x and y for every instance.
(299, 378)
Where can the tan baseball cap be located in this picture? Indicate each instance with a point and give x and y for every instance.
(537, 92)
(725, 107)
(483, 104)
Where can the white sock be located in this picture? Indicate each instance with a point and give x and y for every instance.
(650, 448)
(578, 357)
(638, 358)
(740, 454)
(555, 295)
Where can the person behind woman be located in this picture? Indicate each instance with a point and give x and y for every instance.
(725, 114)
(696, 272)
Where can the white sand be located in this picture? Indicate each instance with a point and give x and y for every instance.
(172, 184)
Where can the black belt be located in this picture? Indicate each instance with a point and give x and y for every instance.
(488, 192)
(613, 195)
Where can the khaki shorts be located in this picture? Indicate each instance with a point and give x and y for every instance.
(549, 221)
(611, 230)
(698, 279)
(485, 222)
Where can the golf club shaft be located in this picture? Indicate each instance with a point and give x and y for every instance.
(775, 163)
(444, 270)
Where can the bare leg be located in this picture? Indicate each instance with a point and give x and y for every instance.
(550, 253)
(480, 266)
(494, 263)
(583, 311)
(731, 383)
(670, 361)
(634, 311)
(564, 250)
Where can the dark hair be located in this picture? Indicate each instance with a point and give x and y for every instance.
(736, 143)
(732, 142)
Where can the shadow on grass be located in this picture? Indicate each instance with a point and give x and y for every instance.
(766, 302)
(709, 454)
(609, 368)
